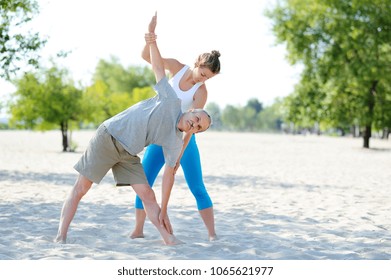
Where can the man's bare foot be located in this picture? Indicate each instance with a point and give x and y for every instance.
(213, 238)
(59, 240)
(172, 240)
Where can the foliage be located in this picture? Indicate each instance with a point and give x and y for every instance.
(18, 46)
(115, 88)
(121, 79)
(270, 118)
(45, 101)
(214, 111)
(345, 48)
(251, 117)
(49, 99)
(231, 117)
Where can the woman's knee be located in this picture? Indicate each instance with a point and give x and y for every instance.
(202, 198)
(198, 189)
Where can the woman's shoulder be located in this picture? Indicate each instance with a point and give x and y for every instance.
(173, 65)
(202, 89)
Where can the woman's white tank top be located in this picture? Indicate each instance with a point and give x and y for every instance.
(185, 96)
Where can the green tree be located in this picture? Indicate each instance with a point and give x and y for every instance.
(270, 118)
(17, 46)
(99, 104)
(248, 118)
(255, 104)
(345, 48)
(250, 114)
(95, 103)
(115, 88)
(305, 107)
(215, 113)
(46, 101)
(231, 117)
(383, 116)
(121, 79)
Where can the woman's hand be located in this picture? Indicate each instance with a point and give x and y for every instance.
(150, 38)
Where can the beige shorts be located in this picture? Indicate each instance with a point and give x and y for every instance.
(104, 152)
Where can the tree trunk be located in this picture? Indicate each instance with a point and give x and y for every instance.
(385, 133)
(367, 135)
(371, 105)
(64, 132)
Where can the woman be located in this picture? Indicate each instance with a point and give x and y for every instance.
(189, 85)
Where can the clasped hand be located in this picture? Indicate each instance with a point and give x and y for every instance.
(165, 221)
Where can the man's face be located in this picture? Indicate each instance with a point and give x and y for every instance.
(194, 121)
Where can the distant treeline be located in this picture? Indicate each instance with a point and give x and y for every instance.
(345, 86)
(251, 117)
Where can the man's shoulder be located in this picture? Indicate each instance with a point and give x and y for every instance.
(163, 88)
(162, 84)
(172, 151)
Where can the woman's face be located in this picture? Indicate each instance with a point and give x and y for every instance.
(201, 74)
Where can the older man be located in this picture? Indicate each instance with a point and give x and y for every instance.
(118, 140)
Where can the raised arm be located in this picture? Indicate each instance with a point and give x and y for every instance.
(145, 54)
(170, 64)
(150, 37)
(156, 58)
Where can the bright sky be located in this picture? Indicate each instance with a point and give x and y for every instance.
(251, 65)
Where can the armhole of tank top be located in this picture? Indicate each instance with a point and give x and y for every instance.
(175, 80)
(182, 72)
(197, 86)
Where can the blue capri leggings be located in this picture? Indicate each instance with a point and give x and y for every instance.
(153, 161)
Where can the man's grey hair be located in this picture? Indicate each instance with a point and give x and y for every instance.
(203, 111)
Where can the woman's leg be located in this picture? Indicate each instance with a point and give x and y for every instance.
(191, 165)
(153, 161)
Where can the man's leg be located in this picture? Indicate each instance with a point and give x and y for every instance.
(69, 207)
(152, 210)
(153, 161)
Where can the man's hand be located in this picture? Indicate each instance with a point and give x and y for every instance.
(165, 221)
(152, 24)
(178, 163)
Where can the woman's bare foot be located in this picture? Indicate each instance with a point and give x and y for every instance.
(135, 235)
(213, 237)
(59, 240)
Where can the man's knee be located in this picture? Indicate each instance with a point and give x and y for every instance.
(145, 193)
(82, 186)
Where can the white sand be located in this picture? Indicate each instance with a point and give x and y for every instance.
(276, 197)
